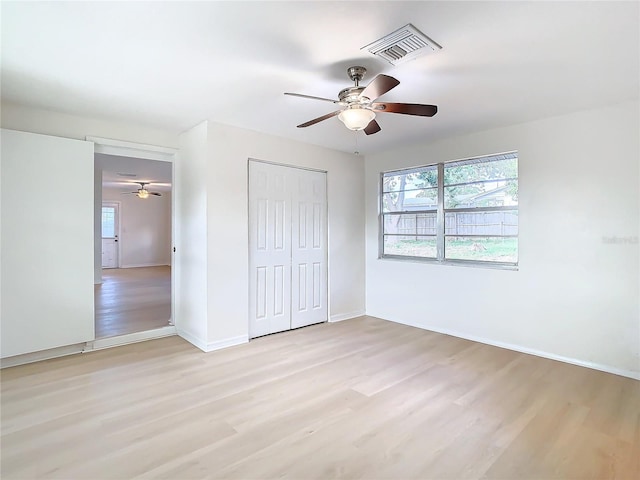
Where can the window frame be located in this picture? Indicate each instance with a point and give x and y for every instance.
(441, 212)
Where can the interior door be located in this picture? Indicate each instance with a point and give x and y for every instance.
(287, 248)
(269, 249)
(47, 242)
(110, 229)
(309, 248)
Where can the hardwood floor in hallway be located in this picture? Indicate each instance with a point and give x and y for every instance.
(132, 300)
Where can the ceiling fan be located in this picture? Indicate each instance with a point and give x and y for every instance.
(143, 192)
(360, 105)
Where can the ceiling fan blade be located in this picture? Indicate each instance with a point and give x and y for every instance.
(319, 119)
(379, 86)
(311, 97)
(372, 128)
(155, 193)
(406, 108)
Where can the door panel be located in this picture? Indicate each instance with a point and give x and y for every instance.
(109, 253)
(309, 252)
(270, 250)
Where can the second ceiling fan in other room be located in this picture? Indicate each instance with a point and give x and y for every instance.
(359, 103)
(142, 192)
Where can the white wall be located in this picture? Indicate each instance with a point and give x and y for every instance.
(575, 296)
(227, 228)
(212, 239)
(145, 228)
(191, 236)
(47, 122)
(28, 119)
(47, 242)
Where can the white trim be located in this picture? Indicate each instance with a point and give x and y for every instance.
(227, 342)
(136, 337)
(139, 265)
(288, 165)
(196, 342)
(212, 346)
(149, 152)
(129, 149)
(339, 317)
(531, 351)
(42, 355)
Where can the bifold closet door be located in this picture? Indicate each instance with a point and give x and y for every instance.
(269, 249)
(308, 248)
(287, 248)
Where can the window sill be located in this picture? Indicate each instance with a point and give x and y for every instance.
(456, 263)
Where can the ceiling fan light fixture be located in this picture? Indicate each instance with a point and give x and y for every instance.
(356, 118)
(142, 193)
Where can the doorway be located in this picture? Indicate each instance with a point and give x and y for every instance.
(287, 248)
(133, 297)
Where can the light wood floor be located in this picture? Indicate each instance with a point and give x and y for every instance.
(132, 300)
(362, 398)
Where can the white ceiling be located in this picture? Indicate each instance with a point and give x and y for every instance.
(174, 64)
(157, 173)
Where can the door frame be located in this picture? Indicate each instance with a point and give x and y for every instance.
(326, 231)
(123, 148)
(118, 204)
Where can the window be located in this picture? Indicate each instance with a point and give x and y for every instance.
(464, 211)
(108, 222)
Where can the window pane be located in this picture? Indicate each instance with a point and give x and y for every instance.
(410, 223)
(408, 200)
(483, 249)
(410, 246)
(480, 199)
(108, 222)
(482, 223)
(480, 169)
(482, 194)
(421, 177)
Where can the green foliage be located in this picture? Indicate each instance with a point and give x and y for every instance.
(484, 249)
(454, 175)
(460, 174)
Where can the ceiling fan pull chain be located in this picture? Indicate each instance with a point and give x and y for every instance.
(357, 152)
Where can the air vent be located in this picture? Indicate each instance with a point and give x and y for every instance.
(129, 175)
(404, 44)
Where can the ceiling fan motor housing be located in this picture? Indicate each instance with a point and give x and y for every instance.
(351, 95)
(356, 73)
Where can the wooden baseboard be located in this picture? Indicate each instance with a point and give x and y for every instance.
(98, 344)
(339, 317)
(136, 337)
(140, 265)
(213, 346)
(42, 355)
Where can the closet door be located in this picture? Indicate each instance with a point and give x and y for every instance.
(309, 248)
(47, 205)
(287, 248)
(269, 249)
